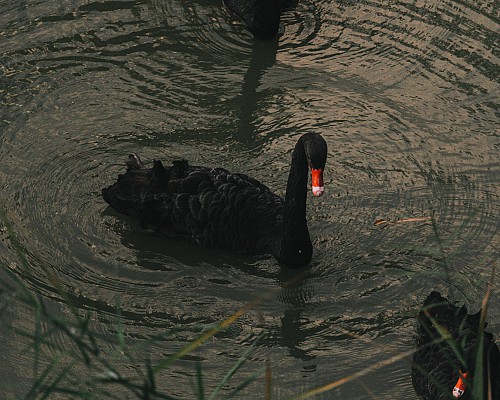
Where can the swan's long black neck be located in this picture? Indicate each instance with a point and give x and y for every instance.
(296, 247)
(266, 19)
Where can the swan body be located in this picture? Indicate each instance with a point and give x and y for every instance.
(438, 373)
(262, 17)
(213, 207)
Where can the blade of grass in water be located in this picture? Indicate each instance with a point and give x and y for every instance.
(36, 337)
(241, 361)
(440, 245)
(199, 382)
(268, 379)
(246, 382)
(432, 379)
(119, 325)
(356, 375)
(204, 337)
(53, 387)
(445, 335)
(80, 334)
(479, 375)
(359, 374)
(150, 378)
(39, 383)
(52, 277)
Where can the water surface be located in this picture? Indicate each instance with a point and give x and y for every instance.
(405, 94)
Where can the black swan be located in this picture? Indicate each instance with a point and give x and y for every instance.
(262, 17)
(215, 208)
(452, 368)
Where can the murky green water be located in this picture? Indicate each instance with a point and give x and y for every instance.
(406, 95)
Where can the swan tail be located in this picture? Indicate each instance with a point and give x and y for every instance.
(165, 199)
(135, 190)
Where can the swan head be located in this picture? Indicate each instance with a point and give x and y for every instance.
(316, 152)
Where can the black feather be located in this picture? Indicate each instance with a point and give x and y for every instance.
(215, 208)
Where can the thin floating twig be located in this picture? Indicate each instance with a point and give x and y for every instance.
(399, 221)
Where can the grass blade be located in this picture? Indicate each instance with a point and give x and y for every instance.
(38, 384)
(199, 382)
(53, 386)
(246, 382)
(241, 361)
(204, 337)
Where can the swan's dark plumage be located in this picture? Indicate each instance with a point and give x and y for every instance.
(216, 208)
(262, 17)
(435, 369)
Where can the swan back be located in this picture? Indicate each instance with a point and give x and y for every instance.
(208, 206)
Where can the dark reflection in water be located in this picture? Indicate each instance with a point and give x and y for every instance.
(406, 95)
(295, 332)
(263, 58)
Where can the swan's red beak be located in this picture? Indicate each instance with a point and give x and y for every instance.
(460, 386)
(317, 181)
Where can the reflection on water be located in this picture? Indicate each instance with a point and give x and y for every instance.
(406, 96)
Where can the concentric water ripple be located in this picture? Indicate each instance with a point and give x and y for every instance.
(406, 95)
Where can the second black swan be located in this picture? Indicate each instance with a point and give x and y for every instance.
(457, 367)
(262, 17)
(216, 208)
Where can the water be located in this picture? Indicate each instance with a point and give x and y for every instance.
(406, 95)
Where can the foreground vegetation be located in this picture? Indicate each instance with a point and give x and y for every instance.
(81, 370)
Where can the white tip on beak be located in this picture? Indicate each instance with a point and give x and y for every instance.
(318, 190)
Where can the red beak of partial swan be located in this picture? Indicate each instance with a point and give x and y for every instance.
(459, 388)
(317, 182)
